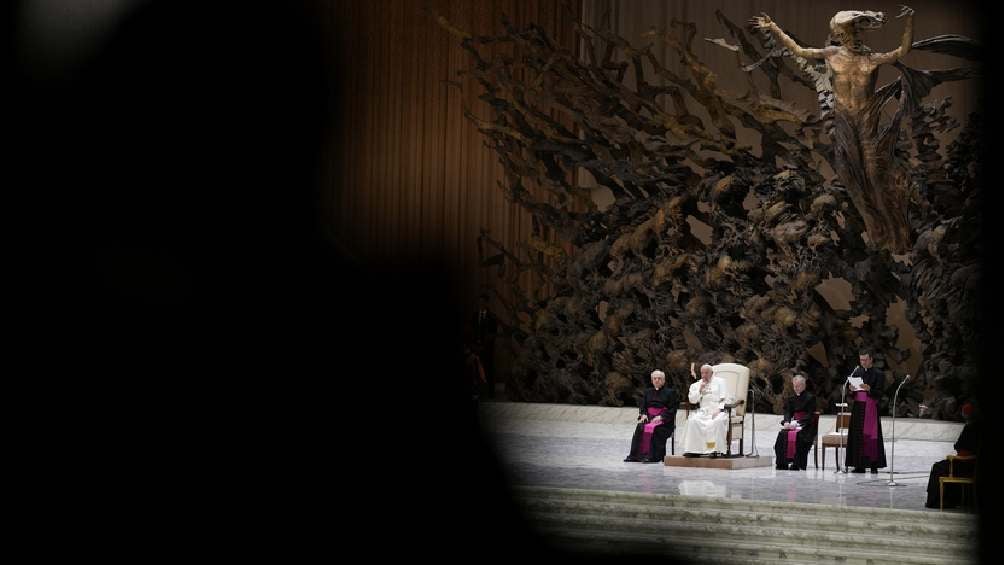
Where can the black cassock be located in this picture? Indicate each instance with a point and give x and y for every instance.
(664, 398)
(859, 454)
(966, 445)
(805, 403)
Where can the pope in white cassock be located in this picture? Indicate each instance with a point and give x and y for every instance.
(707, 426)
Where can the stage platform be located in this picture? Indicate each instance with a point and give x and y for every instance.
(584, 447)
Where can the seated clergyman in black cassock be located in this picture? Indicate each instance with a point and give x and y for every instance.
(798, 429)
(656, 421)
(967, 444)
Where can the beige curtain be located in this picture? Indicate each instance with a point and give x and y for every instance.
(406, 174)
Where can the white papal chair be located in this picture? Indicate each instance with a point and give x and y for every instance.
(737, 382)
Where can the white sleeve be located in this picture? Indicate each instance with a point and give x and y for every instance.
(695, 393)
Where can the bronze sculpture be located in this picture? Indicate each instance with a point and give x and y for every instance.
(633, 287)
(863, 155)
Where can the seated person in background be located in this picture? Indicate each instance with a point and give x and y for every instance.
(475, 372)
(656, 421)
(706, 428)
(967, 444)
(798, 432)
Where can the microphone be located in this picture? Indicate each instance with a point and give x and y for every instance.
(851, 375)
(902, 383)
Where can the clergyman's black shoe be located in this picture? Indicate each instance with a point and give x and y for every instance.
(858, 470)
(630, 459)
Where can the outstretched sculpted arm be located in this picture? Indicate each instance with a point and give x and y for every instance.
(905, 44)
(764, 22)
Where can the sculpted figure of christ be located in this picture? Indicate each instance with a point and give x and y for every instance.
(863, 159)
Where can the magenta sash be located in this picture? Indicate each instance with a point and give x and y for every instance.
(870, 431)
(792, 435)
(646, 436)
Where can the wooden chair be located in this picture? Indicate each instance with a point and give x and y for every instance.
(687, 407)
(837, 439)
(672, 437)
(952, 479)
(815, 443)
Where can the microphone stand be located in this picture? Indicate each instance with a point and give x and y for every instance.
(753, 389)
(843, 406)
(892, 466)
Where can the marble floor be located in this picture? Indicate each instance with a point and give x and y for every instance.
(589, 455)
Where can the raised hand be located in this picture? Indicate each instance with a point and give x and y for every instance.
(762, 21)
(905, 11)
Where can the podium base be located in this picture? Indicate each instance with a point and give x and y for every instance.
(727, 463)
